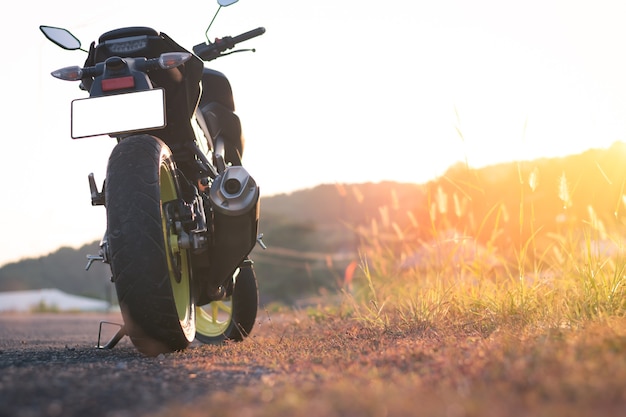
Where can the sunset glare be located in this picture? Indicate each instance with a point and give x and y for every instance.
(337, 92)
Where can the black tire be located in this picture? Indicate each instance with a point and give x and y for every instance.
(152, 275)
(232, 318)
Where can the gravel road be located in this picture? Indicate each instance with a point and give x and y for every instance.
(49, 366)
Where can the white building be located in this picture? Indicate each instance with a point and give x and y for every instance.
(51, 299)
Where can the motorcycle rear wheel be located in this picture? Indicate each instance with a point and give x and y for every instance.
(152, 274)
(233, 317)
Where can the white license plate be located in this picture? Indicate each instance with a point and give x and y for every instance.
(120, 113)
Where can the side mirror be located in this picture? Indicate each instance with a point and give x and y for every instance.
(221, 3)
(62, 37)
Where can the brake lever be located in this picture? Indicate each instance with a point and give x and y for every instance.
(238, 50)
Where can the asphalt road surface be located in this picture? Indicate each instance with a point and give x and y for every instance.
(49, 366)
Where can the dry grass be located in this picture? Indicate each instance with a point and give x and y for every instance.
(445, 327)
(304, 366)
(548, 279)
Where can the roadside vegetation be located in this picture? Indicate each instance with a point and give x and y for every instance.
(445, 316)
(549, 281)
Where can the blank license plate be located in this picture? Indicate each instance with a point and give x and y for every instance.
(117, 114)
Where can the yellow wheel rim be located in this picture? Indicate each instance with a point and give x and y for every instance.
(181, 288)
(213, 319)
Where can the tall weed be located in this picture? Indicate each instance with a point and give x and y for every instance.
(446, 267)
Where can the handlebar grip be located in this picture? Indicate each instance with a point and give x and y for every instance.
(209, 52)
(248, 35)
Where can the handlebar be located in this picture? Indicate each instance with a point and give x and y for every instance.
(209, 52)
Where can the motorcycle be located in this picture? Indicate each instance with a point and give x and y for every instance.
(182, 212)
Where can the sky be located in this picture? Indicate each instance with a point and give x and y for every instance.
(344, 91)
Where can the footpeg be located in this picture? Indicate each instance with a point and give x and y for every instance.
(91, 259)
(102, 256)
(259, 240)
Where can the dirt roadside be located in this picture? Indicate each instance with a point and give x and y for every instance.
(300, 365)
(49, 366)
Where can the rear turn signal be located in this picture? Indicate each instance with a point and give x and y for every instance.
(73, 73)
(173, 59)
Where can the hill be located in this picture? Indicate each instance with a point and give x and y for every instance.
(314, 234)
(63, 269)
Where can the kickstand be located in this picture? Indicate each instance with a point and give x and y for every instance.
(115, 339)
